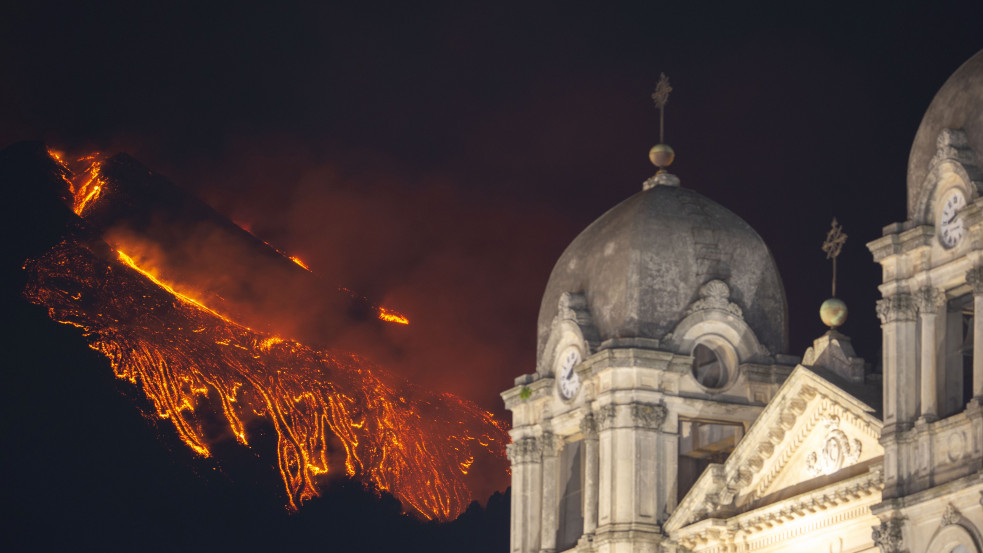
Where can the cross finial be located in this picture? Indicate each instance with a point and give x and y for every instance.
(835, 239)
(661, 97)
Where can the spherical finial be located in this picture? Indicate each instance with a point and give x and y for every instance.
(662, 155)
(833, 312)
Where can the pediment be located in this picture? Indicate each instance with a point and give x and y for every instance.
(812, 434)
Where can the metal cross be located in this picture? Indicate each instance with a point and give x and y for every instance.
(661, 97)
(835, 239)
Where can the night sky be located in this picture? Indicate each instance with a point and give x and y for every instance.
(438, 159)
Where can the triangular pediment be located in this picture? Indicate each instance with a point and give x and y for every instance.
(813, 433)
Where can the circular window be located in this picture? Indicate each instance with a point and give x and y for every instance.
(710, 366)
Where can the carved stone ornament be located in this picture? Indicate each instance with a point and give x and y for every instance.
(606, 416)
(888, 536)
(929, 300)
(974, 278)
(525, 450)
(838, 451)
(952, 144)
(549, 444)
(715, 294)
(950, 515)
(648, 415)
(588, 427)
(897, 308)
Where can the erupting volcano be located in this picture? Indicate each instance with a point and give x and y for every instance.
(161, 284)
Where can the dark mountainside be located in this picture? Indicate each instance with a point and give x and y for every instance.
(87, 471)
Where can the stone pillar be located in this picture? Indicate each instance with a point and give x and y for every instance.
(975, 279)
(930, 301)
(630, 492)
(526, 457)
(897, 314)
(588, 426)
(605, 464)
(548, 526)
(648, 419)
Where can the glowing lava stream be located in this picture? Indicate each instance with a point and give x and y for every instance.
(415, 444)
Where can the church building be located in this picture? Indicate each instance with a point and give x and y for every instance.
(666, 414)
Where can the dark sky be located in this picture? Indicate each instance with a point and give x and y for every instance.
(439, 158)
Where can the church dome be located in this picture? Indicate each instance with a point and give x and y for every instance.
(957, 106)
(641, 266)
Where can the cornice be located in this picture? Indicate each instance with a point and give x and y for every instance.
(771, 442)
(770, 524)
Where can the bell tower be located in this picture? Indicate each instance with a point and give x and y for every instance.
(932, 322)
(662, 334)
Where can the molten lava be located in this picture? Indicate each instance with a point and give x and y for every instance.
(329, 410)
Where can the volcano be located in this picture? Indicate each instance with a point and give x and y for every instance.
(221, 333)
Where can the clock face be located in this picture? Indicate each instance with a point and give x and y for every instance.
(951, 227)
(569, 381)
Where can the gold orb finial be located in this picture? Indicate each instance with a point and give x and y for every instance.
(661, 155)
(833, 312)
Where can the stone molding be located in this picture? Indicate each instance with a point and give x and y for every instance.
(715, 294)
(929, 300)
(857, 491)
(888, 536)
(838, 451)
(974, 278)
(898, 308)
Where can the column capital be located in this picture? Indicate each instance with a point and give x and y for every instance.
(974, 278)
(528, 449)
(647, 415)
(606, 416)
(588, 426)
(929, 300)
(549, 444)
(888, 536)
(897, 308)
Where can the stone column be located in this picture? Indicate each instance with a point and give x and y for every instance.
(897, 314)
(929, 301)
(548, 526)
(526, 457)
(651, 496)
(975, 279)
(606, 449)
(588, 426)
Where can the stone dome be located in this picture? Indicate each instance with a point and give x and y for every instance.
(641, 265)
(957, 105)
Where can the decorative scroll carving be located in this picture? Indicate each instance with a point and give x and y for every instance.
(525, 450)
(888, 536)
(715, 294)
(974, 278)
(588, 426)
(838, 451)
(574, 307)
(950, 515)
(897, 308)
(929, 300)
(952, 144)
(648, 415)
(606, 416)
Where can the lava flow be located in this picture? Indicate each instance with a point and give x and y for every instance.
(329, 410)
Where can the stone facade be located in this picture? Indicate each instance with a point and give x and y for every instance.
(671, 426)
